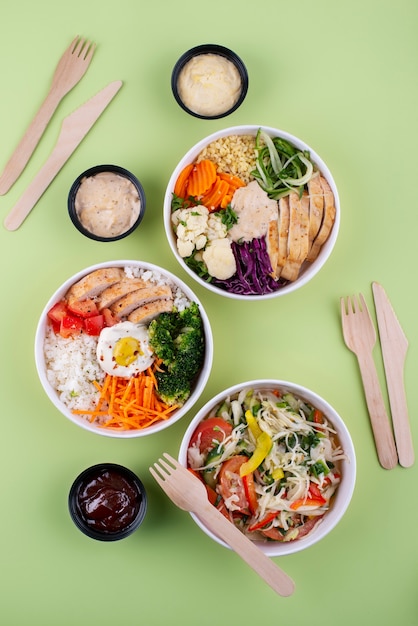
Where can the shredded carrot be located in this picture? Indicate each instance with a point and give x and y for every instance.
(129, 403)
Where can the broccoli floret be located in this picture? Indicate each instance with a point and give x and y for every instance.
(190, 351)
(173, 388)
(162, 332)
(178, 339)
(189, 343)
(190, 318)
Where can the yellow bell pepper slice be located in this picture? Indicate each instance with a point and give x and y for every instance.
(264, 443)
(252, 424)
(278, 473)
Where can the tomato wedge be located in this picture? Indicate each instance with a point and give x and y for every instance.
(71, 324)
(94, 325)
(109, 318)
(57, 312)
(273, 533)
(210, 433)
(85, 308)
(231, 484)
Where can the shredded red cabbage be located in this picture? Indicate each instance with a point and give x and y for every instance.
(253, 270)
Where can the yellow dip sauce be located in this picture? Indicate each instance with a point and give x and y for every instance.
(209, 84)
(107, 204)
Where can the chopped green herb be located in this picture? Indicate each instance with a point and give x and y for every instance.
(228, 216)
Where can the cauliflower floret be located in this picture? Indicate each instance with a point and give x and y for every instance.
(190, 225)
(216, 229)
(185, 248)
(220, 259)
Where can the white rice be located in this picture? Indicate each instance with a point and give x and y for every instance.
(72, 367)
(71, 363)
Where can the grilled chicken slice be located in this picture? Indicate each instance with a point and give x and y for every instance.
(125, 305)
(147, 312)
(327, 220)
(272, 241)
(284, 218)
(110, 295)
(316, 207)
(94, 284)
(297, 242)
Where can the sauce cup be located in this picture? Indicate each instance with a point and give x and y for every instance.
(107, 502)
(106, 203)
(213, 74)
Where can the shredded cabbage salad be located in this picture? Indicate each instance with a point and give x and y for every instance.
(271, 463)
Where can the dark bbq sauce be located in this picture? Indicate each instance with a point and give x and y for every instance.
(107, 501)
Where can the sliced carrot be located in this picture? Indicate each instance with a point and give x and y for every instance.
(212, 200)
(180, 188)
(233, 181)
(201, 178)
(226, 200)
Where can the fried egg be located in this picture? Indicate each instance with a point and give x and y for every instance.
(123, 349)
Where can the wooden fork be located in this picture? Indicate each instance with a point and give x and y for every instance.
(360, 337)
(189, 494)
(70, 69)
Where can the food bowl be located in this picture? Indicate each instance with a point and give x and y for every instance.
(209, 81)
(106, 203)
(107, 502)
(296, 476)
(256, 253)
(93, 350)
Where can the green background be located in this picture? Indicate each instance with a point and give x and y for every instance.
(341, 76)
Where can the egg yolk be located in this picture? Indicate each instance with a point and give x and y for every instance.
(127, 350)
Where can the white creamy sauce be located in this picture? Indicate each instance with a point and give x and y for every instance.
(107, 204)
(209, 84)
(254, 210)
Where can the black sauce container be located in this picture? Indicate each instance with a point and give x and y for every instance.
(135, 489)
(92, 171)
(210, 49)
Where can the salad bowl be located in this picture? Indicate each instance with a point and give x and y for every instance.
(95, 357)
(251, 212)
(276, 459)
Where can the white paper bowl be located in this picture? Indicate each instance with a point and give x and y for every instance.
(343, 495)
(83, 423)
(310, 269)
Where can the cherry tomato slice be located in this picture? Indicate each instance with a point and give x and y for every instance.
(231, 484)
(210, 433)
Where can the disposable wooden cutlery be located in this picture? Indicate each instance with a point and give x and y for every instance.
(189, 494)
(394, 348)
(360, 337)
(73, 129)
(70, 69)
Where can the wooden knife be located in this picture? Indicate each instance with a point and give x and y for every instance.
(394, 348)
(73, 129)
